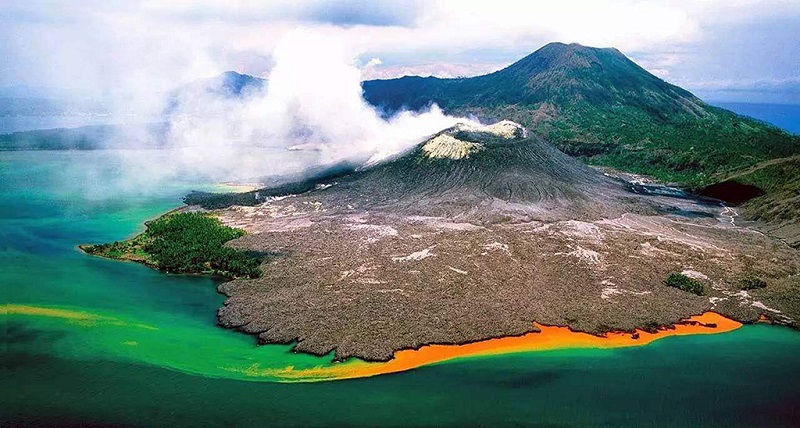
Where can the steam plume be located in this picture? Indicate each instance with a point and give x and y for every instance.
(312, 103)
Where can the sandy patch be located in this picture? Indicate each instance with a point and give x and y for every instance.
(444, 146)
(584, 254)
(415, 256)
(694, 274)
(462, 272)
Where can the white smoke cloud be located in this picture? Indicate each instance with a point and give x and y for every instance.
(311, 113)
(374, 62)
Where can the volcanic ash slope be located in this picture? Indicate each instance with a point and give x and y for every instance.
(476, 233)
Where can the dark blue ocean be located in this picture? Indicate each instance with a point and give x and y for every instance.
(785, 116)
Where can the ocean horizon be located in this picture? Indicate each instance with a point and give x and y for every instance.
(784, 116)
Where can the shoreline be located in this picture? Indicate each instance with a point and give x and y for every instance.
(549, 338)
(200, 246)
(426, 354)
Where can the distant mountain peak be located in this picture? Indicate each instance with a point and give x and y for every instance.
(573, 72)
(234, 74)
(597, 103)
(573, 54)
(228, 84)
(558, 73)
(573, 47)
(234, 83)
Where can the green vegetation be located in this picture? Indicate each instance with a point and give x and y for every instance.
(185, 243)
(598, 105)
(213, 201)
(686, 148)
(752, 283)
(683, 282)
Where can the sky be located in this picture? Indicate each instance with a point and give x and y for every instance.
(732, 50)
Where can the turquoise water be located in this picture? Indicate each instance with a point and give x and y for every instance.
(147, 351)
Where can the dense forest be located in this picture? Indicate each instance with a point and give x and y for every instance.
(185, 243)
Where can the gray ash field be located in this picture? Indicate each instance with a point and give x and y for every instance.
(477, 233)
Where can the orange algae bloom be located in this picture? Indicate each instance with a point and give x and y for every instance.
(549, 338)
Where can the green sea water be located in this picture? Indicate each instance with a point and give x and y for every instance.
(113, 343)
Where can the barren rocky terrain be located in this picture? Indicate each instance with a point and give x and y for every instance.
(430, 249)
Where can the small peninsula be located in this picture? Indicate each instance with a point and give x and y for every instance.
(185, 242)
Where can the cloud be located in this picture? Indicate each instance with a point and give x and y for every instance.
(351, 13)
(334, 12)
(373, 62)
(759, 85)
(778, 91)
(313, 103)
(116, 48)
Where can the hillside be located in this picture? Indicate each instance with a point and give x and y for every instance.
(769, 193)
(454, 171)
(194, 97)
(599, 105)
(229, 84)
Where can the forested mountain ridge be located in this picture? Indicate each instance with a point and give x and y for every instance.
(599, 105)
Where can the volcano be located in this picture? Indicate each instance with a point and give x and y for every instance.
(475, 233)
(460, 170)
(464, 171)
